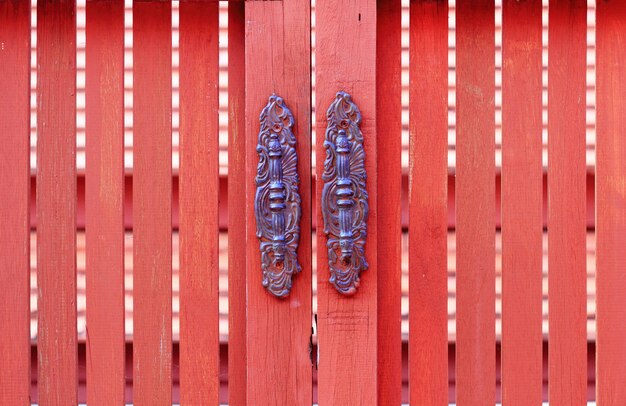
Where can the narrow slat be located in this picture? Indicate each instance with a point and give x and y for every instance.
(104, 194)
(428, 203)
(389, 111)
(567, 203)
(152, 203)
(611, 202)
(56, 202)
(347, 337)
(277, 54)
(522, 204)
(475, 202)
(198, 191)
(14, 195)
(236, 206)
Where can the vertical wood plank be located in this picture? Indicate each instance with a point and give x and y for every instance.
(566, 208)
(236, 206)
(522, 218)
(152, 203)
(389, 113)
(475, 202)
(56, 202)
(347, 337)
(199, 186)
(14, 195)
(611, 202)
(277, 52)
(104, 227)
(428, 203)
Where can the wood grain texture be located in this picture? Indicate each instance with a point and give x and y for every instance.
(611, 202)
(277, 52)
(152, 203)
(567, 278)
(428, 203)
(14, 195)
(236, 206)
(56, 202)
(389, 149)
(104, 186)
(198, 191)
(475, 203)
(347, 337)
(522, 201)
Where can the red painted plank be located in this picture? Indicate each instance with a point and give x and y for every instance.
(56, 202)
(104, 200)
(611, 202)
(475, 197)
(566, 203)
(522, 189)
(14, 194)
(199, 188)
(152, 203)
(236, 206)
(389, 113)
(347, 336)
(428, 203)
(277, 50)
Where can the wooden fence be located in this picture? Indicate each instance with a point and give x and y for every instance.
(355, 353)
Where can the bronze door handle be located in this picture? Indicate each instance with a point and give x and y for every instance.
(344, 197)
(277, 201)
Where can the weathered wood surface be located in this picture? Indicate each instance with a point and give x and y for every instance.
(198, 191)
(611, 202)
(56, 202)
(14, 209)
(389, 146)
(475, 202)
(236, 206)
(522, 204)
(152, 203)
(104, 201)
(277, 56)
(428, 200)
(347, 337)
(567, 278)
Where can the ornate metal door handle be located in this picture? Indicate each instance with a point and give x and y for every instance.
(344, 197)
(277, 201)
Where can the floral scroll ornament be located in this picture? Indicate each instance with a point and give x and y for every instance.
(344, 197)
(277, 201)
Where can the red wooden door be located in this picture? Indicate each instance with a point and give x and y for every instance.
(312, 202)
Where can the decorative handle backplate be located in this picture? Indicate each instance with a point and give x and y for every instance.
(277, 201)
(344, 197)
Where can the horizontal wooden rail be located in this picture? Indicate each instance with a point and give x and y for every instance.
(225, 204)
